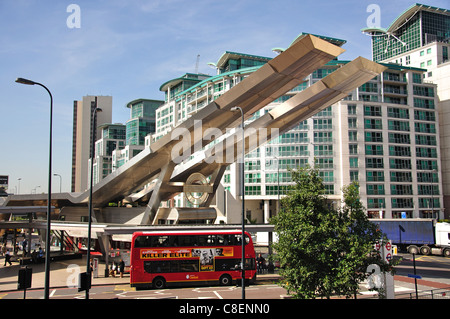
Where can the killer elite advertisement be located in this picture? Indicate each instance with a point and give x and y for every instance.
(205, 255)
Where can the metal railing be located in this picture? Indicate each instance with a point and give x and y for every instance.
(443, 293)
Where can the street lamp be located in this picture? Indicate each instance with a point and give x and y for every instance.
(60, 181)
(49, 200)
(19, 179)
(243, 200)
(94, 110)
(278, 183)
(35, 189)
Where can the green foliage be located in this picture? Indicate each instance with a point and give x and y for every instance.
(322, 251)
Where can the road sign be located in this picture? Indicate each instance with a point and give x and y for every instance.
(385, 249)
(415, 276)
(377, 246)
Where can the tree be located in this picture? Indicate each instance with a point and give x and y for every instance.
(357, 238)
(322, 251)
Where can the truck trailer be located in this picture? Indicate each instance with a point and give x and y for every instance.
(417, 236)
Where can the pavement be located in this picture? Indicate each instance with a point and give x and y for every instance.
(64, 273)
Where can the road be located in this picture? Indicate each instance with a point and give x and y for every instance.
(432, 267)
(124, 291)
(434, 270)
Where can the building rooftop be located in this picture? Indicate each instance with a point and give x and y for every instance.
(129, 104)
(405, 16)
(236, 55)
(186, 77)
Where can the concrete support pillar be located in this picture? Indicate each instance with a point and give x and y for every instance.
(266, 211)
(104, 241)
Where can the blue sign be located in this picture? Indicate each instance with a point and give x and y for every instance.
(415, 276)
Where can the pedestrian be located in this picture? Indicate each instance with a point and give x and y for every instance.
(121, 268)
(4, 249)
(24, 246)
(115, 268)
(34, 257)
(7, 258)
(261, 263)
(111, 271)
(40, 255)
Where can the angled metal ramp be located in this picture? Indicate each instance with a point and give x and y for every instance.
(273, 79)
(282, 118)
(160, 162)
(285, 116)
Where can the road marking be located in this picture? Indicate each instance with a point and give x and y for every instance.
(124, 288)
(402, 289)
(217, 294)
(369, 293)
(52, 293)
(427, 258)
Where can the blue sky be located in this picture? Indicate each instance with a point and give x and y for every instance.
(127, 49)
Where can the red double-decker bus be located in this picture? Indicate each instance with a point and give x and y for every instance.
(161, 259)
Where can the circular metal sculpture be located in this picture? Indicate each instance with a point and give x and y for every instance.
(193, 196)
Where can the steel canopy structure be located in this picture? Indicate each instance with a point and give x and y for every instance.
(159, 172)
(259, 89)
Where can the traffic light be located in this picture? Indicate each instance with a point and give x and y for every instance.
(24, 281)
(84, 281)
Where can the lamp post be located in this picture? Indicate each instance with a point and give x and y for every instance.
(49, 200)
(94, 110)
(60, 181)
(278, 183)
(243, 200)
(35, 189)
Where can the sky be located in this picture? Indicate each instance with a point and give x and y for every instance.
(127, 49)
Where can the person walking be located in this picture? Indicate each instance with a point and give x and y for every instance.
(7, 258)
(121, 268)
(261, 263)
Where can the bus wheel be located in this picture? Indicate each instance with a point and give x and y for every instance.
(159, 283)
(225, 280)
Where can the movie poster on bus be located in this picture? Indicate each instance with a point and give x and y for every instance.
(202, 253)
(207, 256)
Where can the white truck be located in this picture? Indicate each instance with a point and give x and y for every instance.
(424, 236)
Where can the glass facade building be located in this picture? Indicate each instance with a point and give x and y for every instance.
(112, 138)
(417, 26)
(385, 135)
(142, 120)
(420, 37)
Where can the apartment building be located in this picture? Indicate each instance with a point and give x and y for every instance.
(385, 135)
(81, 137)
(112, 139)
(140, 126)
(420, 37)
